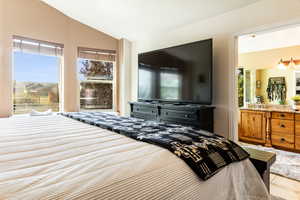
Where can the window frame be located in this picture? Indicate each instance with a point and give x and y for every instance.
(60, 69)
(113, 83)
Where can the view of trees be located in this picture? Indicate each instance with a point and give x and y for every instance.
(97, 69)
(96, 87)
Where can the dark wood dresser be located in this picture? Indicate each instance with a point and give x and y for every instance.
(199, 116)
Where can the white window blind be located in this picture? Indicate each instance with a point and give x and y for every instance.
(37, 46)
(97, 54)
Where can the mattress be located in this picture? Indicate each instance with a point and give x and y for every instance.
(54, 157)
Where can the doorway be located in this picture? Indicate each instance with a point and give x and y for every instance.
(267, 94)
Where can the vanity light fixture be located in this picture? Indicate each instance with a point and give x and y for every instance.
(288, 64)
(281, 65)
(292, 64)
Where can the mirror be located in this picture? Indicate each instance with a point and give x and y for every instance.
(267, 86)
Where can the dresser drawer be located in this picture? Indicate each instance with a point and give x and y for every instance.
(297, 117)
(297, 142)
(145, 109)
(174, 114)
(282, 126)
(283, 140)
(143, 115)
(297, 128)
(283, 115)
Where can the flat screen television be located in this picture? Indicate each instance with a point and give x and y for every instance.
(180, 74)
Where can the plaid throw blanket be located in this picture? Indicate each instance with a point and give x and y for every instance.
(206, 153)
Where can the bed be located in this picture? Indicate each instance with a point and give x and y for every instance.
(54, 157)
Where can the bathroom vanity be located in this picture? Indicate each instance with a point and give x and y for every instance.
(271, 126)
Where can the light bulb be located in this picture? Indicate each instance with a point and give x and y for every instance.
(281, 65)
(292, 64)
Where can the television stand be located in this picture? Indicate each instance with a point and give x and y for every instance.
(199, 116)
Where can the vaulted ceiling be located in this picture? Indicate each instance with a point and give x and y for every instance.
(135, 19)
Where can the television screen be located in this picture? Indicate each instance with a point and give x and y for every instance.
(177, 74)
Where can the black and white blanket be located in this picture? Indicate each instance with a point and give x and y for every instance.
(206, 153)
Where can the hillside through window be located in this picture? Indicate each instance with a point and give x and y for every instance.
(36, 79)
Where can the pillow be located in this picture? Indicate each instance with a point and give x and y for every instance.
(36, 113)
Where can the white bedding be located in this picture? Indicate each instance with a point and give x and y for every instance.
(53, 157)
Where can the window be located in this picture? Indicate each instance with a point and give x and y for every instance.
(170, 85)
(36, 75)
(146, 76)
(96, 76)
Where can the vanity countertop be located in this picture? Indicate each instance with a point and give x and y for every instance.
(272, 109)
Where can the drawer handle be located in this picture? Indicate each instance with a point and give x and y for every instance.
(167, 113)
(282, 126)
(282, 115)
(187, 116)
(282, 140)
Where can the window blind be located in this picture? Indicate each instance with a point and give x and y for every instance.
(97, 54)
(37, 46)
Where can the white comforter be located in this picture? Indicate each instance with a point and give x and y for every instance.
(55, 157)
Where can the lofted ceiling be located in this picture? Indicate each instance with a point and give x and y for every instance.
(135, 19)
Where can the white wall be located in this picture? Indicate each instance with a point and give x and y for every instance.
(258, 16)
(134, 72)
(125, 77)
